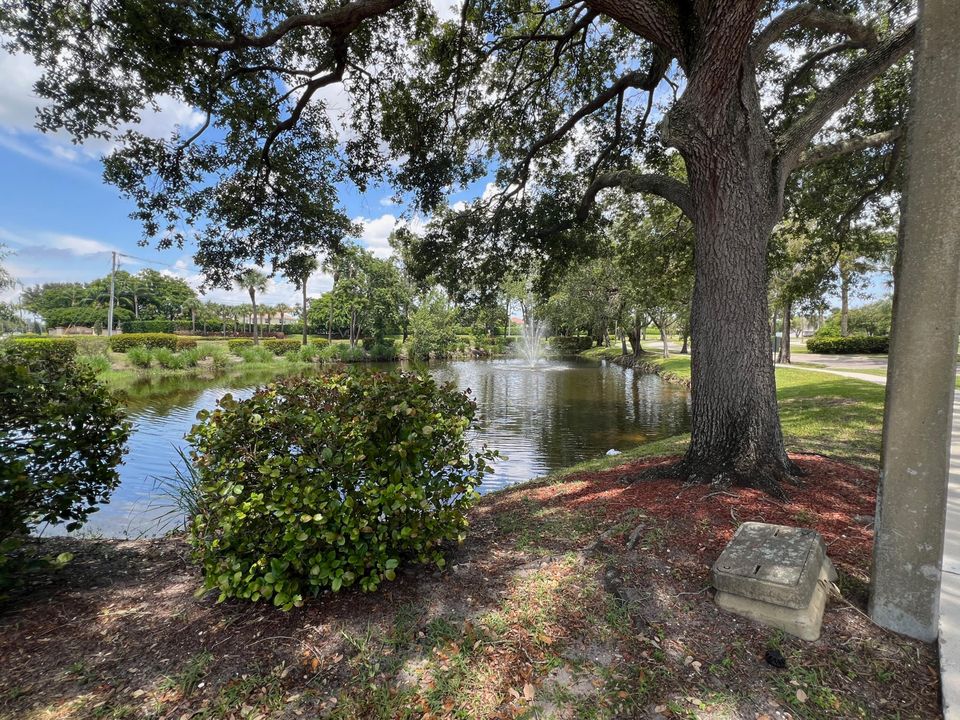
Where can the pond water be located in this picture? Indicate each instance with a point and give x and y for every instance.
(541, 419)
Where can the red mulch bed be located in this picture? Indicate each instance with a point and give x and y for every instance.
(827, 498)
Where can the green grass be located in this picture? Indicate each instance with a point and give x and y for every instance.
(828, 414)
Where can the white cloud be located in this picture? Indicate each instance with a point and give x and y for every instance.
(446, 9)
(75, 244)
(376, 231)
(19, 103)
(71, 244)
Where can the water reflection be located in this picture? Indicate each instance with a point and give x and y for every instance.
(541, 418)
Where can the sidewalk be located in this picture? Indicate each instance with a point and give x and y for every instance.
(950, 581)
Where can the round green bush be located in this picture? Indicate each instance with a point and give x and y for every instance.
(62, 436)
(331, 481)
(255, 354)
(140, 357)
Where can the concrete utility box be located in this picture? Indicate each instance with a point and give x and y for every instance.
(776, 575)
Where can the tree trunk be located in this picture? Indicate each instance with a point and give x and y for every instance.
(623, 343)
(735, 200)
(635, 336)
(303, 316)
(253, 302)
(783, 356)
(193, 320)
(844, 304)
(685, 350)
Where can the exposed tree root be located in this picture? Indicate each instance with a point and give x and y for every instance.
(770, 477)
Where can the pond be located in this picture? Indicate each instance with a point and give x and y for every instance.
(542, 419)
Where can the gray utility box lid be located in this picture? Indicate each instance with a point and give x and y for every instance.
(777, 564)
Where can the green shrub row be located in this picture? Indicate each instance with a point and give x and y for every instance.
(154, 326)
(848, 345)
(47, 351)
(235, 344)
(281, 347)
(123, 342)
(331, 481)
(143, 357)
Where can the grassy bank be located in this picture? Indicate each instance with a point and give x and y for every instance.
(828, 414)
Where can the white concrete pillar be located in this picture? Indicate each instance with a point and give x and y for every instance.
(920, 378)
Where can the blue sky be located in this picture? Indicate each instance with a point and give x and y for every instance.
(62, 221)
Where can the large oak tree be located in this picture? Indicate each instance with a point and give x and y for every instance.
(556, 99)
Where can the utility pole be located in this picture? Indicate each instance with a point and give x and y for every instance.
(113, 272)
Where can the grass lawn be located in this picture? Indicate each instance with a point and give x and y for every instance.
(828, 414)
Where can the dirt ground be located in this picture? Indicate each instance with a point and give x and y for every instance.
(581, 598)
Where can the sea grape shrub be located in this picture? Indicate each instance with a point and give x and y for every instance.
(62, 436)
(331, 481)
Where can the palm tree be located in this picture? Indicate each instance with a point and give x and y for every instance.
(282, 309)
(298, 269)
(192, 305)
(253, 281)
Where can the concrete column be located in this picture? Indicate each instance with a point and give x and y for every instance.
(920, 378)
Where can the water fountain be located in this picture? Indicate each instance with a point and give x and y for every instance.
(532, 342)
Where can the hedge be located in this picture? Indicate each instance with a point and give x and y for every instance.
(47, 351)
(122, 343)
(572, 344)
(280, 347)
(154, 326)
(848, 345)
(236, 344)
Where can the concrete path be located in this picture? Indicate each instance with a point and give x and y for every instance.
(866, 377)
(845, 362)
(950, 581)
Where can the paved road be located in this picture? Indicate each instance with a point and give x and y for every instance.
(844, 362)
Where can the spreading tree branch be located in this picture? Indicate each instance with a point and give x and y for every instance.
(655, 20)
(340, 20)
(631, 181)
(811, 17)
(828, 151)
(829, 100)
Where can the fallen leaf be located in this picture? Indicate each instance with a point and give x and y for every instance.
(801, 696)
(529, 692)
